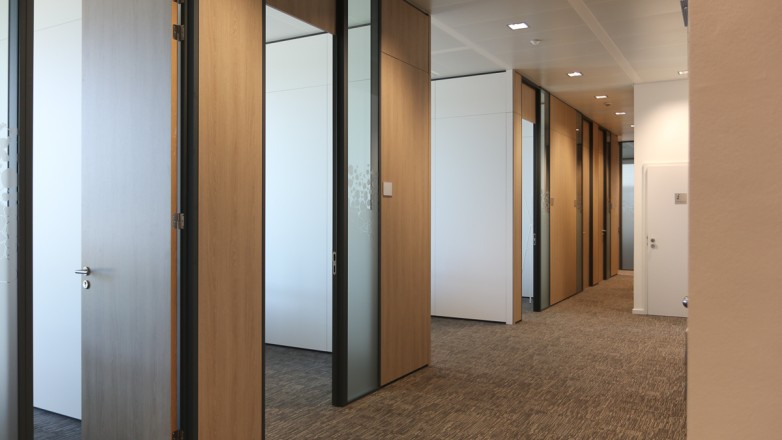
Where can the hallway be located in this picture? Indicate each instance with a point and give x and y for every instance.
(584, 369)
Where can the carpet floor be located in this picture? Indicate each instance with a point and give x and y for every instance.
(585, 368)
(51, 426)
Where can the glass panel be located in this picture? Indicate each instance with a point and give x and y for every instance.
(628, 213)
(362, 174)
(527, 202)
(8, 245)
(543, 241)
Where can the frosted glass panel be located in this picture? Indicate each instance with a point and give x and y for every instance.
(362, 218)
(543, 188)
(628, 212)
(527, 208)
(8, 246)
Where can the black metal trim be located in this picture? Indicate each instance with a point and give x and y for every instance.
(537, 217)
(20, 112)
(189, 236)
(493, 72)
(375, 78)
(339, 370)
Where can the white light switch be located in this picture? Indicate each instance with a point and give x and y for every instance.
(388, 189)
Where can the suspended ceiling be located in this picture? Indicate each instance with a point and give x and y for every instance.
(614, 43)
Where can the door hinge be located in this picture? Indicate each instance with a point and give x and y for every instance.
(333, 263)
(178, 221)
(179, 32)
(178, 435)
(534, 239)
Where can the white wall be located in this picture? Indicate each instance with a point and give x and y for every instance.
(299, 192)
(472, 197)
(661, 136)
(57, 206)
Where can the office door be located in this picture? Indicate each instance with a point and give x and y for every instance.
(128, 309)
(666, 211)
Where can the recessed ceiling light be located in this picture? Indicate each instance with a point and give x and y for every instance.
(517, 26)
(620, 113)
(574, 74)
(684, 72)
(601, 97)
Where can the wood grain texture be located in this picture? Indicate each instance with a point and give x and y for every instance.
(518, 254)
(174, 208)
(405, 226)
(616, 204)
(564, 215)
(230, 236)
(405, 33)
(529, 103)
(586, 193)
(319, 13)
(126, 207)
(598, 206)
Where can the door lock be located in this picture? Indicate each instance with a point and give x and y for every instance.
(85, 284)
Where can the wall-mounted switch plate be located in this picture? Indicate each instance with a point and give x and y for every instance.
(388, 189)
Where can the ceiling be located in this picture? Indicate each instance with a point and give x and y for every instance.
(614, 43)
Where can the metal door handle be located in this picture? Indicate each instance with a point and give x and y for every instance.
(685, 301)
(83, 271)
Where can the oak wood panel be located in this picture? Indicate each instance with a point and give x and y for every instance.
(517, 198)
(616, 207)
(174, 234)
(586, 193)
(319, 13)
(598, 214)
(405, 33)
(529, 103)
(405, 244)
(564, 230)
(230, 236)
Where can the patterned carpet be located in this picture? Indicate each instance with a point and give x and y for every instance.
(584, 369)
(51, 426)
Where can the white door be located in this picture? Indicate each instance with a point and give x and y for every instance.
(666, 207)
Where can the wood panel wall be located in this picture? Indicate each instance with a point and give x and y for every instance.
(563, 220)
(616, 203)
(321, 13)
(598, 204)
(518, 253)
(586, 197)
(529, 103)
(405, 225)
(230, 237)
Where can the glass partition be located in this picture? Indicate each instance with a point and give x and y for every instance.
(9, 378)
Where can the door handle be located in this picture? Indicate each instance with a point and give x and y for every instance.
(83, 271)
(685, 301)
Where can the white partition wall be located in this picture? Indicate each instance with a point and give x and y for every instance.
(472, 197)
(57, 206)
(299, 192)
(527, 208)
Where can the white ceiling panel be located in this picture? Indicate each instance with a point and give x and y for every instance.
(614, 43)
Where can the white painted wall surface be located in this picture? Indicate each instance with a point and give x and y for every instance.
(472, 197)
(299, 192)
(661, 136)
(57, 206)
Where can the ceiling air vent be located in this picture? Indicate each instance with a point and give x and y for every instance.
(684, 12)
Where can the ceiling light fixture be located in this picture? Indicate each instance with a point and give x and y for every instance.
(684, 72)
(601, 97)
(620, 113)
(517, 26)
(575, 74)
(535, 42)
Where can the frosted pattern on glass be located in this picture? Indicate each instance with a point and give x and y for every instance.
(362, 220)
(8, 247)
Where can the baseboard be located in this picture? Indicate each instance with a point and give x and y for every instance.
(639, 312)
